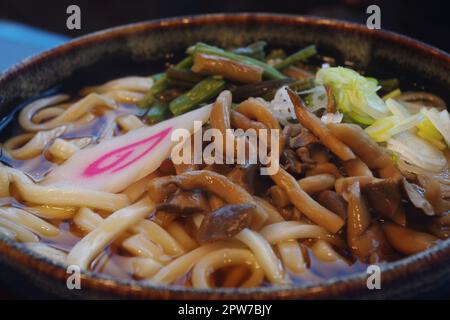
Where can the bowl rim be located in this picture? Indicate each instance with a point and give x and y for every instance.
(15, 253)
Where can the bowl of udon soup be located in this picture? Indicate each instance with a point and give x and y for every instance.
(227, 156)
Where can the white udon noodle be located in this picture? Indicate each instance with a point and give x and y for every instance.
(155, 253)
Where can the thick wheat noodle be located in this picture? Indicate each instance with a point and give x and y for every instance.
(49, 112)
(35, 145)
(33, 223)
(130, 83)
(183, 264)
(292, 256)
(74, 112)
(52, 212)
(139, 245)
(273, 214)
(365, 148)
(220, 120)
(125, 96)
(89, 220)
(313, 124)
(47, 251)
(177, 231)
(64, 196)
(356, 167)
(288, 230)
(129, 122)
(238, 120)
(264, 255)
(305, 204)
(22, 234)
(8, 233)
(142, 267)
(254, 108)
(323, 251)
(311, 185)
(107, 231)
(215, 260)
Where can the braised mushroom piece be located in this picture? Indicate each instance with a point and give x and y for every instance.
(225, 222)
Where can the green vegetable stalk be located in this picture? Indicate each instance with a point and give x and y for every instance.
(269, 71)
(301, 55)
(201, 92)
(161, 83)
(157, 112)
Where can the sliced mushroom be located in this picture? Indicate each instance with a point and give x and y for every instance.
(225, 222)
(185, 203)
(217, 184)
(322, 168)
(312, 123)
(160, 188)
(417, 197)
(304, 155)
(333, 202)
(385, 198)
(244, 175)
(373, 247)
(290, 162)
(304, 138)
(407, 241)
(358, 216)
(434, 195)
(365, 238)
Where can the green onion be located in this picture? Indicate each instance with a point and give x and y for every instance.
(301, 55)
(393, 94)
(269, 71)
(201, 92)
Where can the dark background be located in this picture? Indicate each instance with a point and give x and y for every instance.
(424, 20)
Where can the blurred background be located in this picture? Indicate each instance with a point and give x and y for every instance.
(42, 24)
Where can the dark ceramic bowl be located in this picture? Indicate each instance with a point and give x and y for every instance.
(137, 48)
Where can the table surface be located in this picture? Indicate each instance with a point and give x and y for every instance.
(18, 41)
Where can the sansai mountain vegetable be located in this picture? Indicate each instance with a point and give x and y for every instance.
(161, 83)
(200, 93)
(269, 71)
(301, 55)
(254, 50)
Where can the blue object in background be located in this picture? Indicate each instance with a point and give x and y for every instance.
(18, 41)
